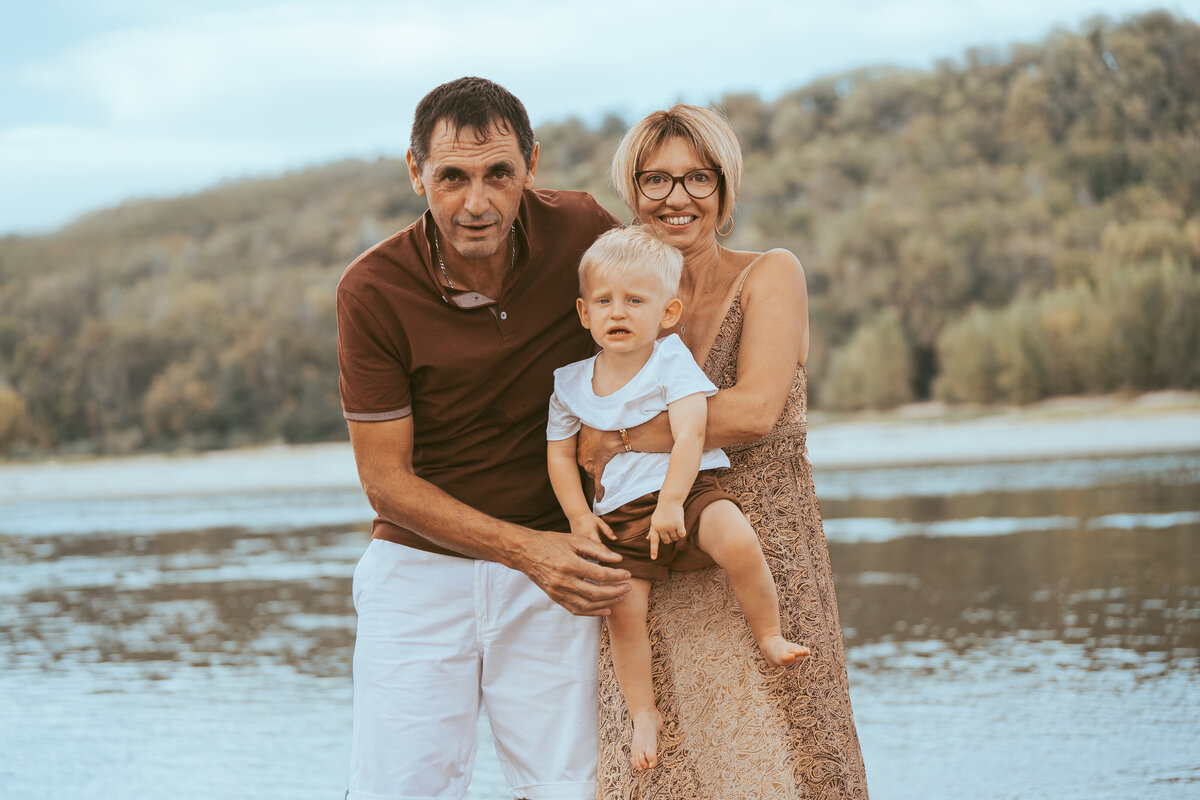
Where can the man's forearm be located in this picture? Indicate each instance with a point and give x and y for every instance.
(570, 569)
(414, 503)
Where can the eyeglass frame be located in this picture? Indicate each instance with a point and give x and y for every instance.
(677, 180)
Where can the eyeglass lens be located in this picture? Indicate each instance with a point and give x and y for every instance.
(699, 183)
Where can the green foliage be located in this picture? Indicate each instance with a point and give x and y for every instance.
(1007, 227)
(14, 419)
(1135, 328)
(874, 369)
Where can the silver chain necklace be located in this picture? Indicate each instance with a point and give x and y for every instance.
(437, 249)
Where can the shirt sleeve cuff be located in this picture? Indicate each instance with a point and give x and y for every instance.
(378, 416)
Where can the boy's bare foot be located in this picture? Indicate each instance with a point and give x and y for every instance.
(644, 750)
(779, 652)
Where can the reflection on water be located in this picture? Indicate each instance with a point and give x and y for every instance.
(1111, 564)
(1137, 590)
(147, 650)
(214, 597)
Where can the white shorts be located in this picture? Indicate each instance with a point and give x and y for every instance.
(438, 635)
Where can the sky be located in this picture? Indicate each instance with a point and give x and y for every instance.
(107, 100)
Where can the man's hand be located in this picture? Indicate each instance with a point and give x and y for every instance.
(666, 525)
(594, 450)
(591, 527)
(564, 566)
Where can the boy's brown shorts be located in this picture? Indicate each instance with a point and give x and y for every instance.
(631, 524)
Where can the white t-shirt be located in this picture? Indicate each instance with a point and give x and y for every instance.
(670, 374)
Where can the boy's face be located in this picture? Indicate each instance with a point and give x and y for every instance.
(625, 311)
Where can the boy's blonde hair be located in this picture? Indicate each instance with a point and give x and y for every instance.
(635, 250)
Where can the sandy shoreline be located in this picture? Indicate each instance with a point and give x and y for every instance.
(1077, 427)
(925, 434)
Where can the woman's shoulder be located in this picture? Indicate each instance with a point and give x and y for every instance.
(773, 272)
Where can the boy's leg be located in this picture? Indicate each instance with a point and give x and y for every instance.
(631, 661)
(726, 535)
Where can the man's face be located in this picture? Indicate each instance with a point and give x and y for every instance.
(473, 188)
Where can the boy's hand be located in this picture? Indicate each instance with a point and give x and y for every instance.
(591, 526)
(666, 525)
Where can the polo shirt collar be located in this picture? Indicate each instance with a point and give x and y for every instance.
(467, 299)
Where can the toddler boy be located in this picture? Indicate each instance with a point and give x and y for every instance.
(658, 511)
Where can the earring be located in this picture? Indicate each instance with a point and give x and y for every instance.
(726, 233)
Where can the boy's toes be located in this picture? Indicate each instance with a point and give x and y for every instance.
(779, 652)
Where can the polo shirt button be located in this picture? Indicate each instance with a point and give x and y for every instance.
(503, 315)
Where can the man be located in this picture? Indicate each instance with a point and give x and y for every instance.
(448, 336)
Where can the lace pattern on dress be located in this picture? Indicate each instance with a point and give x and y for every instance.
(734, 727)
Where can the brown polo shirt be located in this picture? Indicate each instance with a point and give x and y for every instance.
(476, 375)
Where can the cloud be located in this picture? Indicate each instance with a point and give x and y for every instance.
(188, 92)
(227, 68)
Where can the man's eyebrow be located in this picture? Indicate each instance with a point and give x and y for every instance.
(449, 172)
(502, 166)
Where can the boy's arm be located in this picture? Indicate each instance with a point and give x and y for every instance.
(564, 478)
(687, 418)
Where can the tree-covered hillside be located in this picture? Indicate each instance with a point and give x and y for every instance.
(1002, 228)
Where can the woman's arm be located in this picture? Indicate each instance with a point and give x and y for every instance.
(774, 341)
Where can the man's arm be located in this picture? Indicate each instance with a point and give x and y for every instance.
(559, 563)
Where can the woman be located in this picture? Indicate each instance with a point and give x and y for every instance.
(734, 727)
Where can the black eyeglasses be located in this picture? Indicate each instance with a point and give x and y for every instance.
(658, 185)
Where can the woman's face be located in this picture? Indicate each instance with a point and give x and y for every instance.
(680, 219)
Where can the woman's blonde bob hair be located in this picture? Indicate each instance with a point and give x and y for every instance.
(706, 131)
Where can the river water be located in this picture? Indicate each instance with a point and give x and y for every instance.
(182, 627)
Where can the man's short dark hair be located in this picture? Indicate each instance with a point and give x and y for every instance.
(474, 103)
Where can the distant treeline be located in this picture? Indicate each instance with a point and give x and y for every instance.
(1005, 227)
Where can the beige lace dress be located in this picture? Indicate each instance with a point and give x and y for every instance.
(735, 728)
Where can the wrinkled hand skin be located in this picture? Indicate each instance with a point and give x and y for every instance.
(593, 450)
(564, 566)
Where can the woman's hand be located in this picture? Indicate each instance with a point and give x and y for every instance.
(593, 452)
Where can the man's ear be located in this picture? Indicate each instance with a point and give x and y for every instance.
(671, 313)
(414, 173)
(581, 307)
(532, 172)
